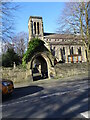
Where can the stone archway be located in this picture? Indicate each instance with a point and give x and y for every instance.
(39, 68)
(44, 65)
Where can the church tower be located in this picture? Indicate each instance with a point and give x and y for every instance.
(35, 26)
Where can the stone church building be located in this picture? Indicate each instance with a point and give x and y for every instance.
(65, 48)
(62, 48)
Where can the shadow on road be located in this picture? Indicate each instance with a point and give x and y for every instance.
(70, 109)
(49, 110)
(21, 92)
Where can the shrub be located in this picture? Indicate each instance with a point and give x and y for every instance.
(9, 58)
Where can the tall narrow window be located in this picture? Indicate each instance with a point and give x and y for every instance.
(32, 26)
(54, 51)
(35, 27)
(38, 27)
(61, 53)
(50, 47)
(63, 50)
(79, 51)
(86, 53)
(71, 51)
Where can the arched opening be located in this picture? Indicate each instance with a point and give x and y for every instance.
(62, 51)
(35, 27)
(39, 68)
(38, 27)
(71, 51)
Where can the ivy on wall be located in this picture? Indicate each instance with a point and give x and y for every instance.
(33, 46)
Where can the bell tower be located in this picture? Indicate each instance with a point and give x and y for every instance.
(35, 26)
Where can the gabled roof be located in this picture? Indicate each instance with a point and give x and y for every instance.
(62, 36)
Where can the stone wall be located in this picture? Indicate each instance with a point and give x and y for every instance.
(16, 75)
(70, 69)
(62, 70)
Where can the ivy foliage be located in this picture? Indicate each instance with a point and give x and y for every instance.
(34, 45)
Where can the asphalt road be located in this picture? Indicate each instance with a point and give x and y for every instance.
(48, 99)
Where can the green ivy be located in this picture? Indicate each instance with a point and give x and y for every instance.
(33, 46)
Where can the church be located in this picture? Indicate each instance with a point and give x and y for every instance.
(64, 47)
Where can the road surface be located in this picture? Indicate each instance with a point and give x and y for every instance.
(48, 99)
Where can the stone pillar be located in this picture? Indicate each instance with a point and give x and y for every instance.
(48, 71)
(33, 28)
(30, 29)
(66, 54)
(84, 59)
(51, 72)
(76, 50)
(39, 68)
(60, 57)
(57, 53)
(41, 29)
(36, 29)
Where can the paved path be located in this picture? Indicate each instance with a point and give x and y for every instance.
(28, 83)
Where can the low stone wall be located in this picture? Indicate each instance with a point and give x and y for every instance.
(71, 69)
(62, 70)
(16, 75)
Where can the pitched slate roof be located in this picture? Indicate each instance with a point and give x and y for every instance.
(62, 36)
(62, 39)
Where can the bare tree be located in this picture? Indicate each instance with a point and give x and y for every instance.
(7, 14)
(75, 21)
(20, 43)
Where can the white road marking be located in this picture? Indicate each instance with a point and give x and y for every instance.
(59, 93)
(42, 97)
(54, 94)
(62, 93)
(85, 114)
(14, 103)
